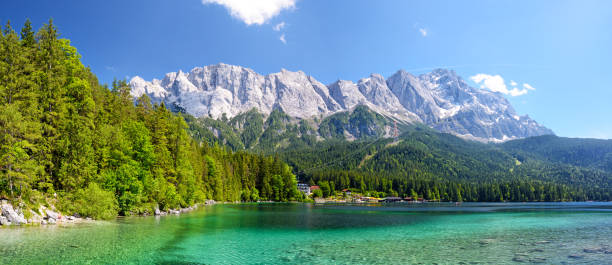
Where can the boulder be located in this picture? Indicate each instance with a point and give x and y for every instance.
(51, 221)
(52, 214)
(35, 219)
(157, 211)
(11, 215)
(4, 221)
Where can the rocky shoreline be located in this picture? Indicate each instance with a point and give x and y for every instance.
(182, 210)
(45, 216)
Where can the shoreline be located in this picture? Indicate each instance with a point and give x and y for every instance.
(10, 217)
(15, 217)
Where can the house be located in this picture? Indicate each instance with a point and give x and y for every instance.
(303, 187)
(314, 188)
(347, 191)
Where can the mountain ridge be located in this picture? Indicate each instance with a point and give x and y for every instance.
(441, 99)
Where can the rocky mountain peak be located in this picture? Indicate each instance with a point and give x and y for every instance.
(440, 99)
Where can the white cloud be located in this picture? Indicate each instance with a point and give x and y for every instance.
(496, 83)
(423, 32)
(282, 39)
(517, 92)
(254, 11)
(527, 86)
(279, 26)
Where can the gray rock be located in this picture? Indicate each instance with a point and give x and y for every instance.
(157, 211)
(11, 215)
(4, 221)
(441, 99)
(35, 219)
(51, 221)
(52, 214)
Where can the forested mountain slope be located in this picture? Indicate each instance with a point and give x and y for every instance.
(590, 153)
(476, 171)
(420, 155)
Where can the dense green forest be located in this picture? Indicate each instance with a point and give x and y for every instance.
(591, 153)
(69, 141)
(438, 166)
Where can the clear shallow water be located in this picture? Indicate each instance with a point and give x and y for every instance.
(472, 233)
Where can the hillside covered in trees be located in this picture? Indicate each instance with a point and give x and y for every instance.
(432, 165)
(439, 166)
(67, 140)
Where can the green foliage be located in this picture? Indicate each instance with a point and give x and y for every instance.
(61, 131)
(360, 123)
(93, 201)
(443, 167)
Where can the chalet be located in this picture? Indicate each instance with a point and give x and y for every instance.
(303, 187)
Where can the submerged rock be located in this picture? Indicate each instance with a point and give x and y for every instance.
(537, 260)
(593, 250)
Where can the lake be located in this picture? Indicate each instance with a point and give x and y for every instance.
(470, 233)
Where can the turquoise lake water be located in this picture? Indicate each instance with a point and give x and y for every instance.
(442, 233)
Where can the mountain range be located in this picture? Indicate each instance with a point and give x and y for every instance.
(440, 99)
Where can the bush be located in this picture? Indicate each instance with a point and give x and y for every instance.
(95, 202)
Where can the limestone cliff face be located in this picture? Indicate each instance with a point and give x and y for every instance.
(440, 99)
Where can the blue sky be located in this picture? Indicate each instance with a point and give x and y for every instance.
(560, 48)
